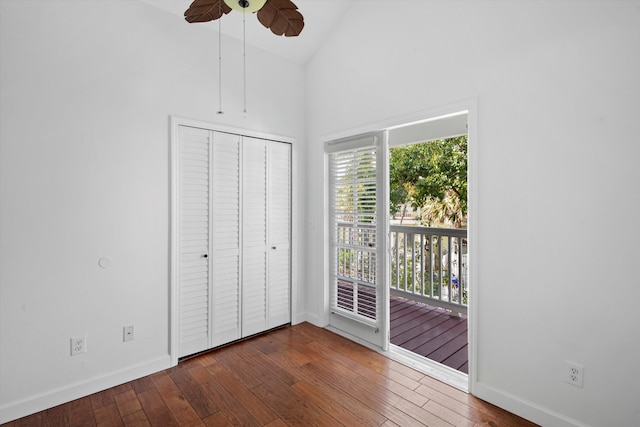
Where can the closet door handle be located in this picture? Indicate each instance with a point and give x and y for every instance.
(205, 256)
(273, 247)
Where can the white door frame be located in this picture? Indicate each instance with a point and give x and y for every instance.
(470, 106)
(176, 122)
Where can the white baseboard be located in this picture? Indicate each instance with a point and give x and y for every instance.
(21, 408)
(308, 317)
(523, 408)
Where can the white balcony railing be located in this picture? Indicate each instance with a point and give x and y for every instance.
(429, 265)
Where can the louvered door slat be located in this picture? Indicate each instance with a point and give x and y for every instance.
(279, 226)
(193, 240)
(226, 232)
(254, 235)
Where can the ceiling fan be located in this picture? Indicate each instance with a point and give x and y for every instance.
(280, 16)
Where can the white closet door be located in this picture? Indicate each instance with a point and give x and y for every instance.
(279, 234)
(226, 232)
(193, 243)
(232, 248)
(254, 236)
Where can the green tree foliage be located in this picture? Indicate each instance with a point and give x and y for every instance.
(432, 177)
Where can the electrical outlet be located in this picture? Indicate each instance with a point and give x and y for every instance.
(78, 345)
(127, 333)
(574, 373)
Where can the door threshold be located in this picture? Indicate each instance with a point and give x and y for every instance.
(436, 370)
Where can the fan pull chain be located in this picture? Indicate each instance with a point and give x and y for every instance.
(244, 60)
(220, 66)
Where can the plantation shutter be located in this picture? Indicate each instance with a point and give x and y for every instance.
(358, 240)
(193, 244)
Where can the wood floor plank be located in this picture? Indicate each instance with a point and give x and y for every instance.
(34, 420)
(299, 375)
(448, 343)
(199, 400)
(179, 407)
(265, 369)
(469, 412)
(458, 359)
(329, 405)
(106, 416)
(156, 409)
(371, 372)
(217, 420)
(414, 327)
(364, 363)
(257, 368)
(200, 373)
(232, 409)
(81, 412)
(277, 423)
(136, 419)
(122, 388)
(372, 397)
(142, 384)
(230, 359)
(292, 407)
(432, 329)
(448, 415)
(102, 398)
(127, 403)
(415, 411)
(56, 416)
(399, 310)
(412, 331)
(263, 414)
(369, 416)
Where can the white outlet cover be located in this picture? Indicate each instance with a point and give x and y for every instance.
(78, 345)
(574, 373)
(127, 333)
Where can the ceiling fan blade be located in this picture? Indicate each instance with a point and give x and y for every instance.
(281, 17)
(206, 10)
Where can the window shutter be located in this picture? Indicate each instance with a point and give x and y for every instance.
(353, 192)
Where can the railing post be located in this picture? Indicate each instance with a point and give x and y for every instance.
(422, 262)
(449, 275)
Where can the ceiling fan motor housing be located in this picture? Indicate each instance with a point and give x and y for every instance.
(247, 6)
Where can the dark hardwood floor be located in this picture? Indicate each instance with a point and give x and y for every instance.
(300, 375)
(430, 332)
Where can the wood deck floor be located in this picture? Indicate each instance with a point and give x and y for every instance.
(299, 375)
(430, 332)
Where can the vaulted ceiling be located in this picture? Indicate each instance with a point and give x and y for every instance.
(321, 17)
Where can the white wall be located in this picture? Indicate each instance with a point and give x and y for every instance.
(87, 89)
(558, 92)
